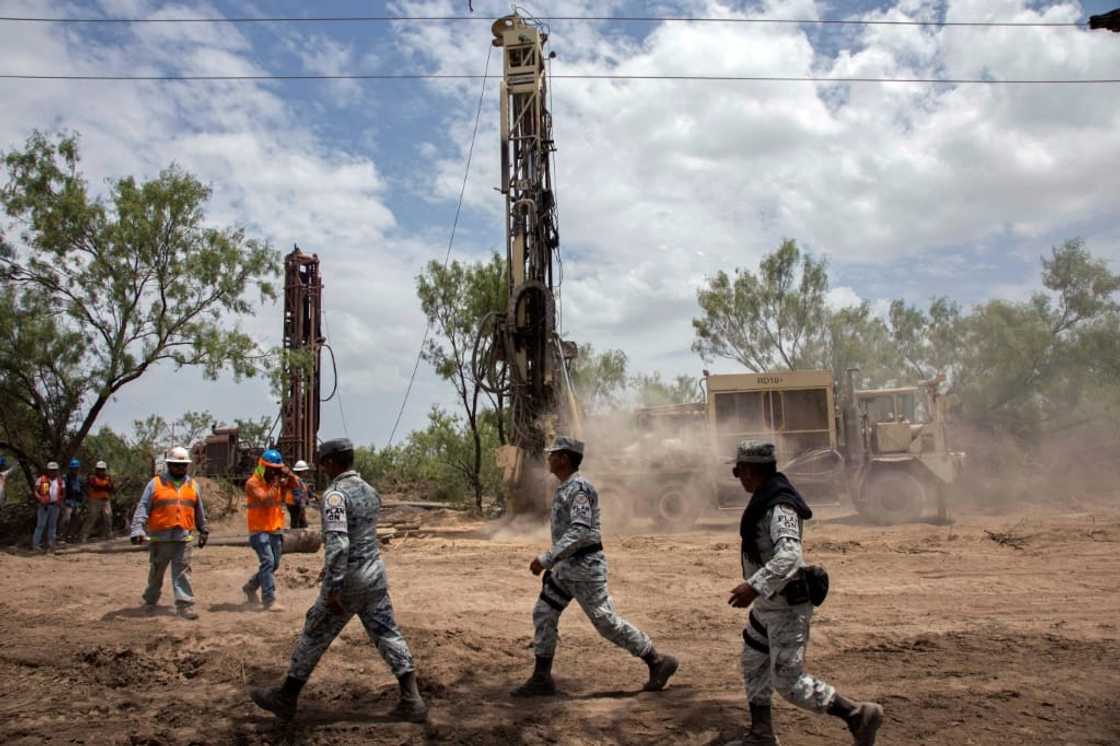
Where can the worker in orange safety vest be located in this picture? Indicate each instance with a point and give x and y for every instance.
(170, 512)
(264, 491)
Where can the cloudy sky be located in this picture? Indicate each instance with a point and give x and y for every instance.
(910, 190)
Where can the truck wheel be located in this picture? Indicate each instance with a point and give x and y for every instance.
(675, 508)
(892, 497)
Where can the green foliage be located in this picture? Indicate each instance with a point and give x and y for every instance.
(598, 378)
(254, 433)
(456, 299)
(651, 391)
(437, 461)
(772, 320)
(96, 291)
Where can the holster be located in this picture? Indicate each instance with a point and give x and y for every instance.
(810, 584)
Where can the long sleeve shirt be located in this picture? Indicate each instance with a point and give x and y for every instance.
(779, 543)
(575, 523)
(140, 517)
(351, 550)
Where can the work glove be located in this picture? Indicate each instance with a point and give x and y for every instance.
(203, 537)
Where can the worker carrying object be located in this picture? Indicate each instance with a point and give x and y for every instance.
(354, 582)
(99, 489)
(575, 567)
(169, 514)
(295, 496)
(72, 504)
(50, 491)
(781, 592)
(264, 491)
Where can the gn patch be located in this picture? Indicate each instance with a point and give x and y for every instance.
(784, 524)
(334, 512)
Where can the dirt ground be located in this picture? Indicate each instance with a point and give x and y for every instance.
(962, 639)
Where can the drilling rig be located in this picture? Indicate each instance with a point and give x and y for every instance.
(303, 342)
(520, 357)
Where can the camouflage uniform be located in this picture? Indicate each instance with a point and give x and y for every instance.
(777, 634)
(353, 568)
(575, 527)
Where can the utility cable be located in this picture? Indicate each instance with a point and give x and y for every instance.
(604, 76)
(337, 387)
(595, 19)
(450, 240)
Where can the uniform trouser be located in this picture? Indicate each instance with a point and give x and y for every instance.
(774, 644)
(178, 555)
(269, 549)
(99, 511)
(46, 521)
(593, 598)
(368, 599)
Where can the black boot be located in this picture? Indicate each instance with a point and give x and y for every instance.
(661, 669)
(761, 732)
(411, 707)
(540, 684)
(863, 719)
(279, 700)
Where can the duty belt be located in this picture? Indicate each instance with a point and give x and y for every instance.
(596, 547)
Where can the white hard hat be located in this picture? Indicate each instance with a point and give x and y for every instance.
(101, 465)
(301, 465)
(52, 465)
(178, 455)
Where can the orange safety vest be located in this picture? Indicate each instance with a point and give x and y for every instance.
(99, 488)
(266, 505)
(172, 507)
(43, 490)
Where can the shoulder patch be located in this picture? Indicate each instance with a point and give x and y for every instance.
(784, 524)
(334, 512)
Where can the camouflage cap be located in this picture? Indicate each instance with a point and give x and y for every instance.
(754, 452)
(565, 443)
(336, 445)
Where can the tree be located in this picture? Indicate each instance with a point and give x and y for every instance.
(457, 298)
(255, 433)
(598, 378)
(96, 291)
(651, 391)
(857, 338)
(928, 343)
(767, 321)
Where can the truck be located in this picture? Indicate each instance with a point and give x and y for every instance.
(886, 450)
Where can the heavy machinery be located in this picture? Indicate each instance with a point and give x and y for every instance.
(303, 342)
(886, 449)
(519, 356)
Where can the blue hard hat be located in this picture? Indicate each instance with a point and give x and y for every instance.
(272, 457)
(75, 463)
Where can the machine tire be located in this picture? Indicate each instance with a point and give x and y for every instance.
(892, 497)
(674, 508)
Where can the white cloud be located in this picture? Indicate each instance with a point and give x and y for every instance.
(660, 183)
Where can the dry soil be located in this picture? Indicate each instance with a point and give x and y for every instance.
(962, 639)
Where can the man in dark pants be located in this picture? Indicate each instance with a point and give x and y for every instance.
(775, 590)
(354, 582)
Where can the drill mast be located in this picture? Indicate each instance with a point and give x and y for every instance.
(299, 409)
(532, 357)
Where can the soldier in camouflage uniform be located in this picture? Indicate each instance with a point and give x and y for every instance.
(776, 590)
(354, 582)
(575, 567)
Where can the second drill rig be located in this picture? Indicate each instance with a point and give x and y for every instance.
(520, 355)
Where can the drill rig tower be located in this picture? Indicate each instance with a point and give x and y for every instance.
(303, 340)
(526, 349)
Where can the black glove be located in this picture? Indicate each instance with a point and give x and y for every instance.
(136, 540)
(203, 537)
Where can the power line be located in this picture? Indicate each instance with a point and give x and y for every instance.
(555, 19)
(603, 76)
(450, 241)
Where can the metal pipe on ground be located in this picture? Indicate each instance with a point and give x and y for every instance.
(297, 541)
